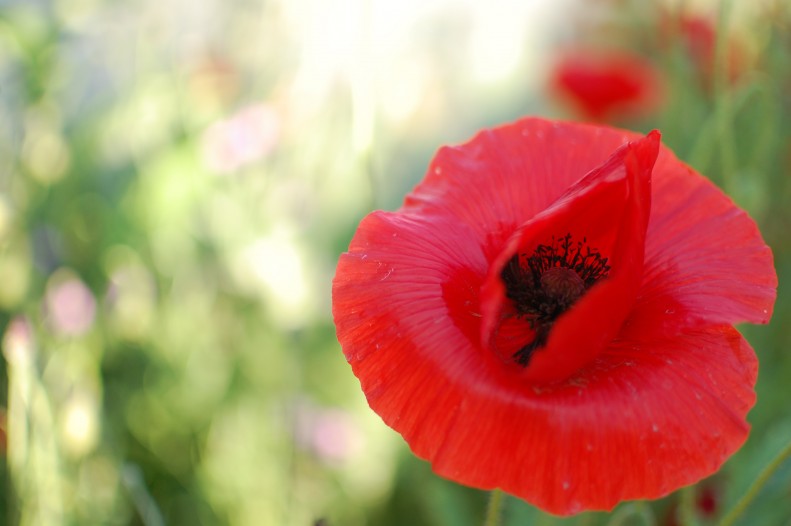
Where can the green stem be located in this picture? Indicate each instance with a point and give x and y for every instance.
(686, 507)
(494, 510)
(632, 509)
(722, 99)
(739, 508)
(147, 509)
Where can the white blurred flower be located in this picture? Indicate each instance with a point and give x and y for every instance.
(79, 424)
(274, 266)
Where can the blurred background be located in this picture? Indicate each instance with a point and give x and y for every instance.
(178, 179)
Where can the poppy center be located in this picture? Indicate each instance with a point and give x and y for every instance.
(545, 284)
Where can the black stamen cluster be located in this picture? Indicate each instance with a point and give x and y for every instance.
(545, 284)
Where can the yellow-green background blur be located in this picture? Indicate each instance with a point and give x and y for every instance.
(178, 178)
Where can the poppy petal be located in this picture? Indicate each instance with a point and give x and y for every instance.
(643, 419)
(407, 260)
(480, 182)
(646, 418)
(406, 310)
(614, 201)
(706, 263)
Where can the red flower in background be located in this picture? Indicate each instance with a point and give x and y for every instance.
(699, 36)
(550, 313)
(707, 503)
(604, 86)
(695, 35)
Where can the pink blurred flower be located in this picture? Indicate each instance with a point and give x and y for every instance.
(330, 434)
(18, 344)
(241, 139)
(71, 307)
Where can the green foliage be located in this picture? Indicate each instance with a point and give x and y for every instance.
(175, 189)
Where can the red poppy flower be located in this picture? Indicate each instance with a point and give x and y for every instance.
(550, 313)
(604, 86)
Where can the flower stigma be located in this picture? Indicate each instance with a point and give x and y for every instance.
(547, 283)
